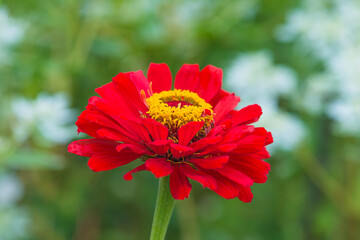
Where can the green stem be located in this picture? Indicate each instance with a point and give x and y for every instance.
(164, 206)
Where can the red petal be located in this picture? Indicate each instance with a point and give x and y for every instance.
(251, 161)
(102, 153)
(262, 154)
(114, 135)
(222, 148)
(260, 131)
(225, 187)
(237, 133)
(113, 112)
(205, 142)
(179, 151)
(116, 102)
(226, 147)
(160, 146)
(235, 175)
(188, 77)
(216, 130)
(218, 97)
(140, 81)
(227, 104)
(180, 186)
(128, 176)
(210, 162)
(101, 119)
(136, 148)
(250, 144)
(269, 139)
(92, 120)
(210, 82)
(156, 129)
(247, 115)
(245, 194)
(128, 90)
(188, 131)
(256, 169)
(80, 147)
(110, 161)
(159, 167)
(205, 179)
(160, 77)
(140, 131)
(87, 127)
(109, 115)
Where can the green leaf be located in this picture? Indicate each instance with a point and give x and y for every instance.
(34, 159)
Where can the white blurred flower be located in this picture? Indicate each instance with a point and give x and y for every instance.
(346, 113)
(330, 30)
(11, 32)
(345, 66)
(48, 114)
(287, 129)
(324, 26)
(11, 190)
(14, 221)
(256, 79)
(319, 90)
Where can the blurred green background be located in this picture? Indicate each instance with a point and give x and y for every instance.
(298, 59)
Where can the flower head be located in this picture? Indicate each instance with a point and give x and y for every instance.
(191, 132)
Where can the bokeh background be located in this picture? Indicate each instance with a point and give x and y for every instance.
(300, 60)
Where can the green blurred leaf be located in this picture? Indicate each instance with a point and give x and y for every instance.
(34, 159)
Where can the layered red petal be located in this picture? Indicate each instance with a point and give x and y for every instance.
(128, 176)
(160, 146)
(128, 90)
(225, 105)
(210, 82)
(159, 167)
(159, 76)
(188, 131)
(206, 180)
(246, 115)
(180, 186)
(156, 129)
(187, 77)
(210, 162)
(179, 150)
(102, 153)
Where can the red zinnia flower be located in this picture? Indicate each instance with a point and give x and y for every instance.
(191, 132)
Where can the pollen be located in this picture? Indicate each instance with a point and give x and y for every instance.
(177, 107)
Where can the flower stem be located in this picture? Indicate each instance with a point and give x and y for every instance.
(164, 206)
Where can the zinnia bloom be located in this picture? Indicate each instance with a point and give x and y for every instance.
(191, 132)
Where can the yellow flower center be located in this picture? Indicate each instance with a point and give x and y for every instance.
(177, 107)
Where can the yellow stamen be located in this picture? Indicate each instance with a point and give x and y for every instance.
(177, 107)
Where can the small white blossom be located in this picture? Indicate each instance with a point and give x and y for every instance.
(11, 190)
(329, 29)
(323, 27)
(11, 33)
(287, 129)
(346, 113)
(48, 114)
(319, 90)
(256, 79)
